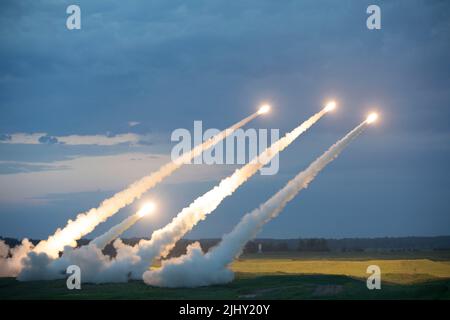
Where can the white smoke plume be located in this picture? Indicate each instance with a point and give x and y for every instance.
(11, 258)
(86, 222)
(102, 241)
(95, 266)
(197, 269)
(164, 239)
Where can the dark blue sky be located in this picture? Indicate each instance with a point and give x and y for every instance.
(163, 64)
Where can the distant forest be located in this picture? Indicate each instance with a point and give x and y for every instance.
(330, 245)
(439, 243)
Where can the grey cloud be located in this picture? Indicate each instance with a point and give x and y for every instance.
(5, 137)
(18, 167)
(48, 139)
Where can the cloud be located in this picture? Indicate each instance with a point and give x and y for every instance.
(7, 167)
(101, 140)
(27, 181)
(48, 139)
(133, 123)
(76, 140)
(5, 137)
(138, 56)
(22, 138)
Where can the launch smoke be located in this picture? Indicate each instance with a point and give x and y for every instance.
(11, 258)
(86, 222)
(198, 269)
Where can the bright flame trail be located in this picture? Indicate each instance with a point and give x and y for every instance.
(196, 269)
(102, 241)
(163, 240)
(86, 222)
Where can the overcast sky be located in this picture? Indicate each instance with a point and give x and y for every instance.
(86, 112)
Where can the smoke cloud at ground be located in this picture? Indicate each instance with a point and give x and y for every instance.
(11, 258)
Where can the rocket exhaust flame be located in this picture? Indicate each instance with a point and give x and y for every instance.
(146, 209)
(264, 109)
(372, 117)
(86, 222)
(331, 105)
(198, 269)
(163, 240)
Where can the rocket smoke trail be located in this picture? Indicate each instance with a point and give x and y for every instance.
(101, 241)
(198, 269)
(163, 240)
(86, 222)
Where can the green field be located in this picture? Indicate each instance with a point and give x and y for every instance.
(398, 270)
(279, 276)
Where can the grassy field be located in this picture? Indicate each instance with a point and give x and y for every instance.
(278, 276)
(393, 271)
